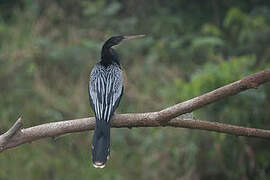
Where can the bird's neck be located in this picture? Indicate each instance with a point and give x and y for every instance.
(109, 56)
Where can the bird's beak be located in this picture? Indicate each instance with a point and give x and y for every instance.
(133, 37)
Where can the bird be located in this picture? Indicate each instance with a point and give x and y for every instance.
(105, 91)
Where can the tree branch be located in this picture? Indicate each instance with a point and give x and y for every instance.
(167, 117)
(248, 82)
(5, 138)
(126, 121)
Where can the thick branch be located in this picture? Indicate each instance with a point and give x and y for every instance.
(126, 121)
(167, 117)
(248, 82)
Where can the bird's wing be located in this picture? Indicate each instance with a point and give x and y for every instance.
(105, 90)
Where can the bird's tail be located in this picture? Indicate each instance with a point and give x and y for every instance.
(101, 145)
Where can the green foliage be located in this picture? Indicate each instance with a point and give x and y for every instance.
(47, 49)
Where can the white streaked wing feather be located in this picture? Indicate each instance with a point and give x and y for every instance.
(105, 89)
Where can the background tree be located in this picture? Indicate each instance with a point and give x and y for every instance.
(47, 49)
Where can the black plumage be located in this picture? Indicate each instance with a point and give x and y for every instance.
(105, 92)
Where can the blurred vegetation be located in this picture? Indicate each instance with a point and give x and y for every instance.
(47, 49)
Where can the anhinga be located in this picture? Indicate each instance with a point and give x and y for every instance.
(105, 92)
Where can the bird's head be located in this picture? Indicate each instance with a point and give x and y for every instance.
(115, 40)
(108, 55)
